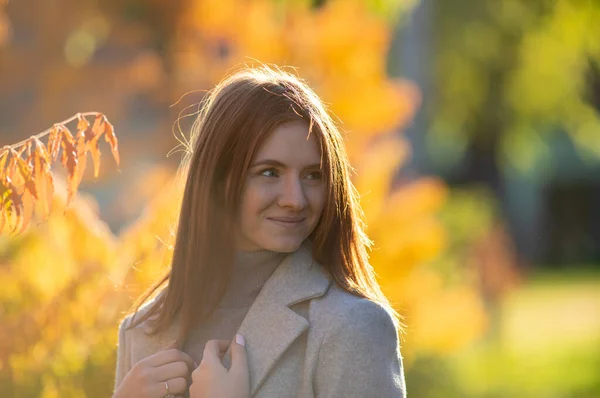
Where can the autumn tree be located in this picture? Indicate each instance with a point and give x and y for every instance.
(25, 182)
(72, 278)
(523, 71)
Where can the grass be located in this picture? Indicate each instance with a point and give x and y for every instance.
(547, 345)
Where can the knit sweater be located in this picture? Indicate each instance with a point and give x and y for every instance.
(250, 272)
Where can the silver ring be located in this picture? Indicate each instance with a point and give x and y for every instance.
(169, 395)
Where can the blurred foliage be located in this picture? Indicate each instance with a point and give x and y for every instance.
(510, 73)
(58, 306)
(477, 268)
(68, 281)
(431, 376)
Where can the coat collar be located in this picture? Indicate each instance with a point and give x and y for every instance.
(270, 326)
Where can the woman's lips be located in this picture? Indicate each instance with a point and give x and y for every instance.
(287, 222)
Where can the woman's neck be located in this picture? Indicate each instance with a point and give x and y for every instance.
(251, 269)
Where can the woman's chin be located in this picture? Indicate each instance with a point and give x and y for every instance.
(284, 245)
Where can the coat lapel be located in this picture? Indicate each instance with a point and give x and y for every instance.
(270, 326)
(155, 343)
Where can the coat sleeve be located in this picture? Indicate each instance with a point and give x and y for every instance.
(360, 356)
(123, 354)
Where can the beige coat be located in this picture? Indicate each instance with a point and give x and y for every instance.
(305, 337)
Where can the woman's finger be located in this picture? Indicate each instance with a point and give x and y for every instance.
(168, 356)
(239, 361)
(214, 349)
(172, 370)
(223, 345)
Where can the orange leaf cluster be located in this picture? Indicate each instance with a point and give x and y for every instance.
(27, 181)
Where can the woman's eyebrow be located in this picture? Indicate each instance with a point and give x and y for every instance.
(277, 163)
(268, 162)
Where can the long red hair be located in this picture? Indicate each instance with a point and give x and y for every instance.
(235, 119)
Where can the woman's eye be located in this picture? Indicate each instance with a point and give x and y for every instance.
(269, 173)
(316, 175)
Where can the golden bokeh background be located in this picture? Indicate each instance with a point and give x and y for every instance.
(468, 124)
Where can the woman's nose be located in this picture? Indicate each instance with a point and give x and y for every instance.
(292, 195)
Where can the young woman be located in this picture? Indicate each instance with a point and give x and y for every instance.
(270, 293)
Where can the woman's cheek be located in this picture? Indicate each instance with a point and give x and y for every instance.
(317, 199)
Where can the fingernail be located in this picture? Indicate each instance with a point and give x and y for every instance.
(240, 340)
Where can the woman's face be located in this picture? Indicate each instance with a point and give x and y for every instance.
(284, 191)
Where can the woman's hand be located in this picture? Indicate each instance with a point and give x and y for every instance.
(212, 380)
(150, 377)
